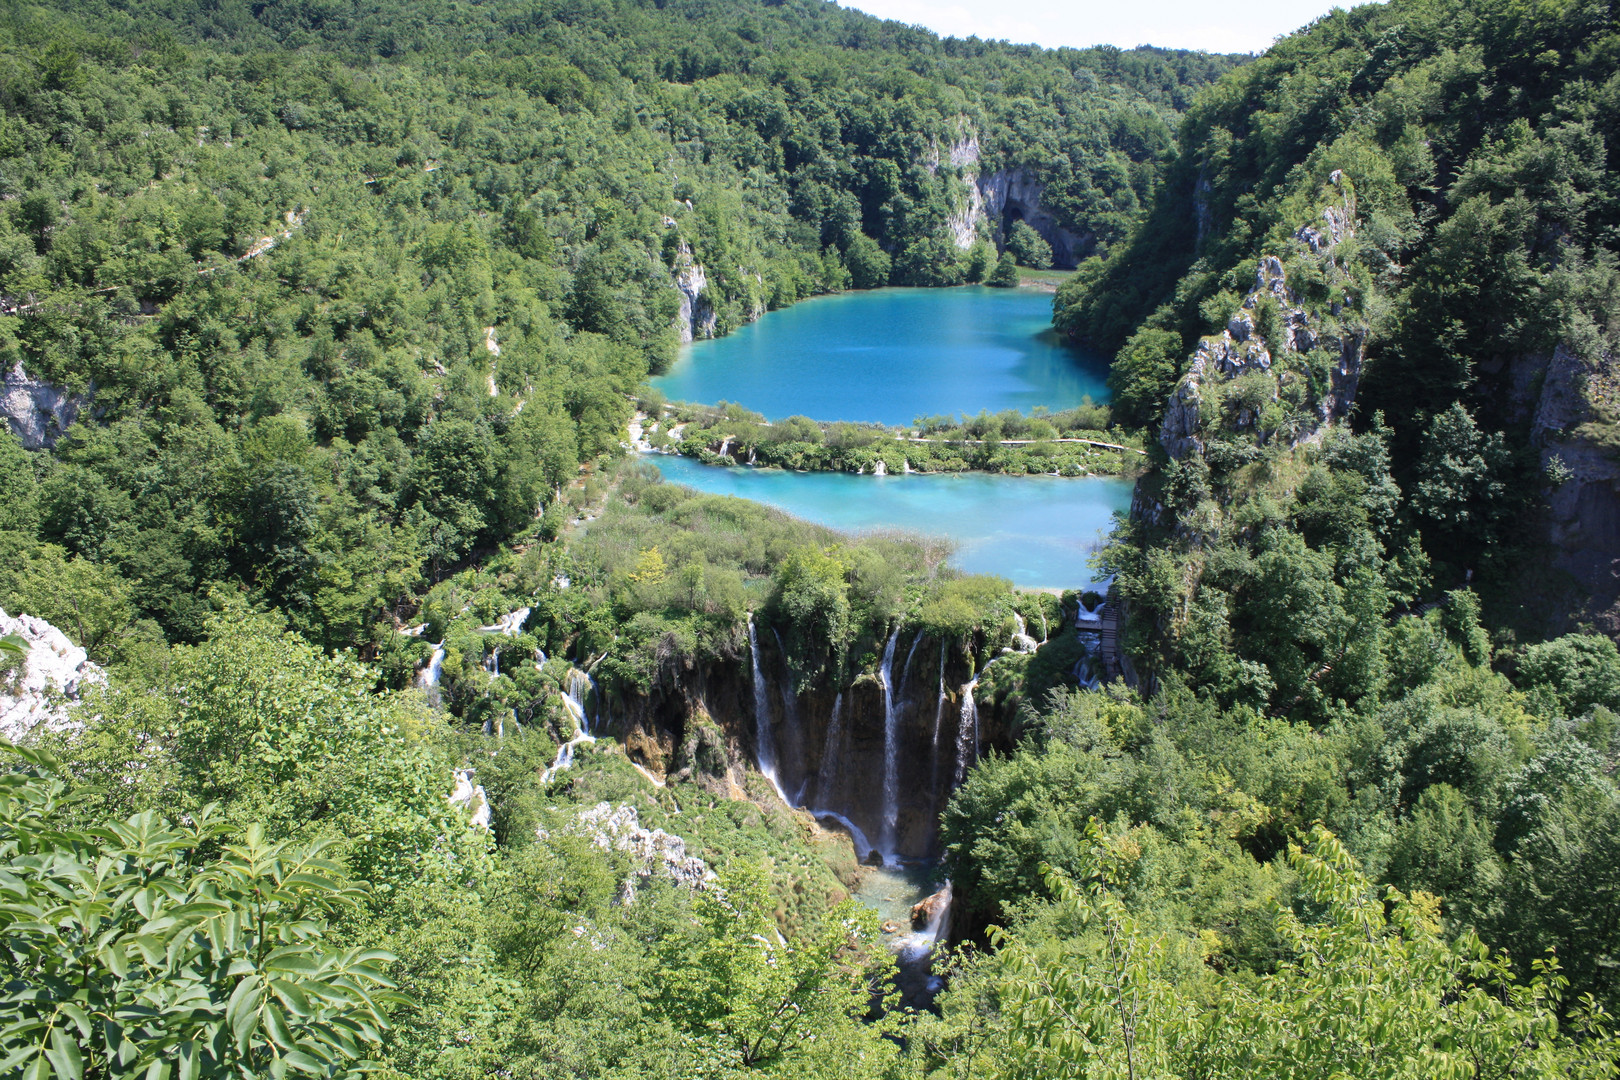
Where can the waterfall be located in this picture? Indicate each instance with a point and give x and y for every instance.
(1044, 633)
(762, 715)
(428, 677)
(579, 684)
(863, 846)
(891, 751)
(939, 719)
(1022, 642)
(790, 714)
(905, 672)
(830, 751)
(967, 733)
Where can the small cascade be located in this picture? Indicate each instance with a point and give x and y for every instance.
(1044, 634)
(508, 625)
(428, 677)
(539, 659)
(967, 733)
(832, 750)
(891, 751)
(939, 722)
(579, 685)
(1022, 642)
(492, 662)
(863, 846)
(762, 715)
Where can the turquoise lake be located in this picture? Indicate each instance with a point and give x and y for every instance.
(1037, 531)
(891, 355)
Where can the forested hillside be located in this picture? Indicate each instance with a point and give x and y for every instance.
(420, 737)
(351, 295)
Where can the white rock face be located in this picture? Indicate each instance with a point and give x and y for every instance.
(37, 411)
(54, 673)
(654, 851)
(696, 318)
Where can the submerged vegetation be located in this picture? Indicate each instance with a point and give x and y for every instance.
(436, 742)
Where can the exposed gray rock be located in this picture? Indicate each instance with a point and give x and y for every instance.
(43, 694)
(696, 318)
(1239, 349)
(987, 199)
(37, 411)
(653, 852)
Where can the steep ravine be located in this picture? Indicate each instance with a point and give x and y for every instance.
(829, 741)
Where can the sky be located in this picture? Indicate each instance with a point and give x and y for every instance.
(1210, 25)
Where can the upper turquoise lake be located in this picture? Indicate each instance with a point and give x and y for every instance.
(891, 355)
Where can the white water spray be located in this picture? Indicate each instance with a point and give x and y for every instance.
(579, 684)
(762, 716)
(891, 752)
(967, 733)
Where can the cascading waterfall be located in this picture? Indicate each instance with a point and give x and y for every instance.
(891, 752)
(905, 672)
(429, 678)
(762, 716)
(1022, 642)
(831, 751)
(579, 684)
(967, 733)
(790, 714)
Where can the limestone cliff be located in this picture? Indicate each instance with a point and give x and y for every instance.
(696, 318)
(1310, 383)
(988, 203)
(37, 412)
(828, 742)
(42, 688)
(1569, 401)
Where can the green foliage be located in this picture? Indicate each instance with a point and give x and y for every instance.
(132, 950)
(1028, 246)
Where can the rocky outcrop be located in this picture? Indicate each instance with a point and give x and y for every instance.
(1582, 472)
(37, 412)
(653, 852)
(1196, 406)
(42, 688)
(696, 317)
(990, 202)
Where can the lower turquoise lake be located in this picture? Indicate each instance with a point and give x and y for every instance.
(1037, 531)
(891, 355)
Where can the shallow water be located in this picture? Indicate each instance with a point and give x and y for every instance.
(891, 355)
(1037, 531)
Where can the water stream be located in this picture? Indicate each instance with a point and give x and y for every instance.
(891, 751)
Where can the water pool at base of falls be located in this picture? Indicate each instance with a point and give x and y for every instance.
(892, 891)
(1036, 531)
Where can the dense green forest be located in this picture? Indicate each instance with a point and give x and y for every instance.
(430, 742)
(356, 295)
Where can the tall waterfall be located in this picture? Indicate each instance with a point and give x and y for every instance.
(792, 742)
(939, 720)
(905, 672)
(762, 716)
(831, 752)
(891, 751)
(967, 733)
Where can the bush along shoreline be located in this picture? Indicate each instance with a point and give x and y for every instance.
(1076, 442)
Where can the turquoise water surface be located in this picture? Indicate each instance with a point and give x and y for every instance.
(891, 355)
(1036, 531)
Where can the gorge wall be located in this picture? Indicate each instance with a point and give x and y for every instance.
(829, 746)
(990, 202)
